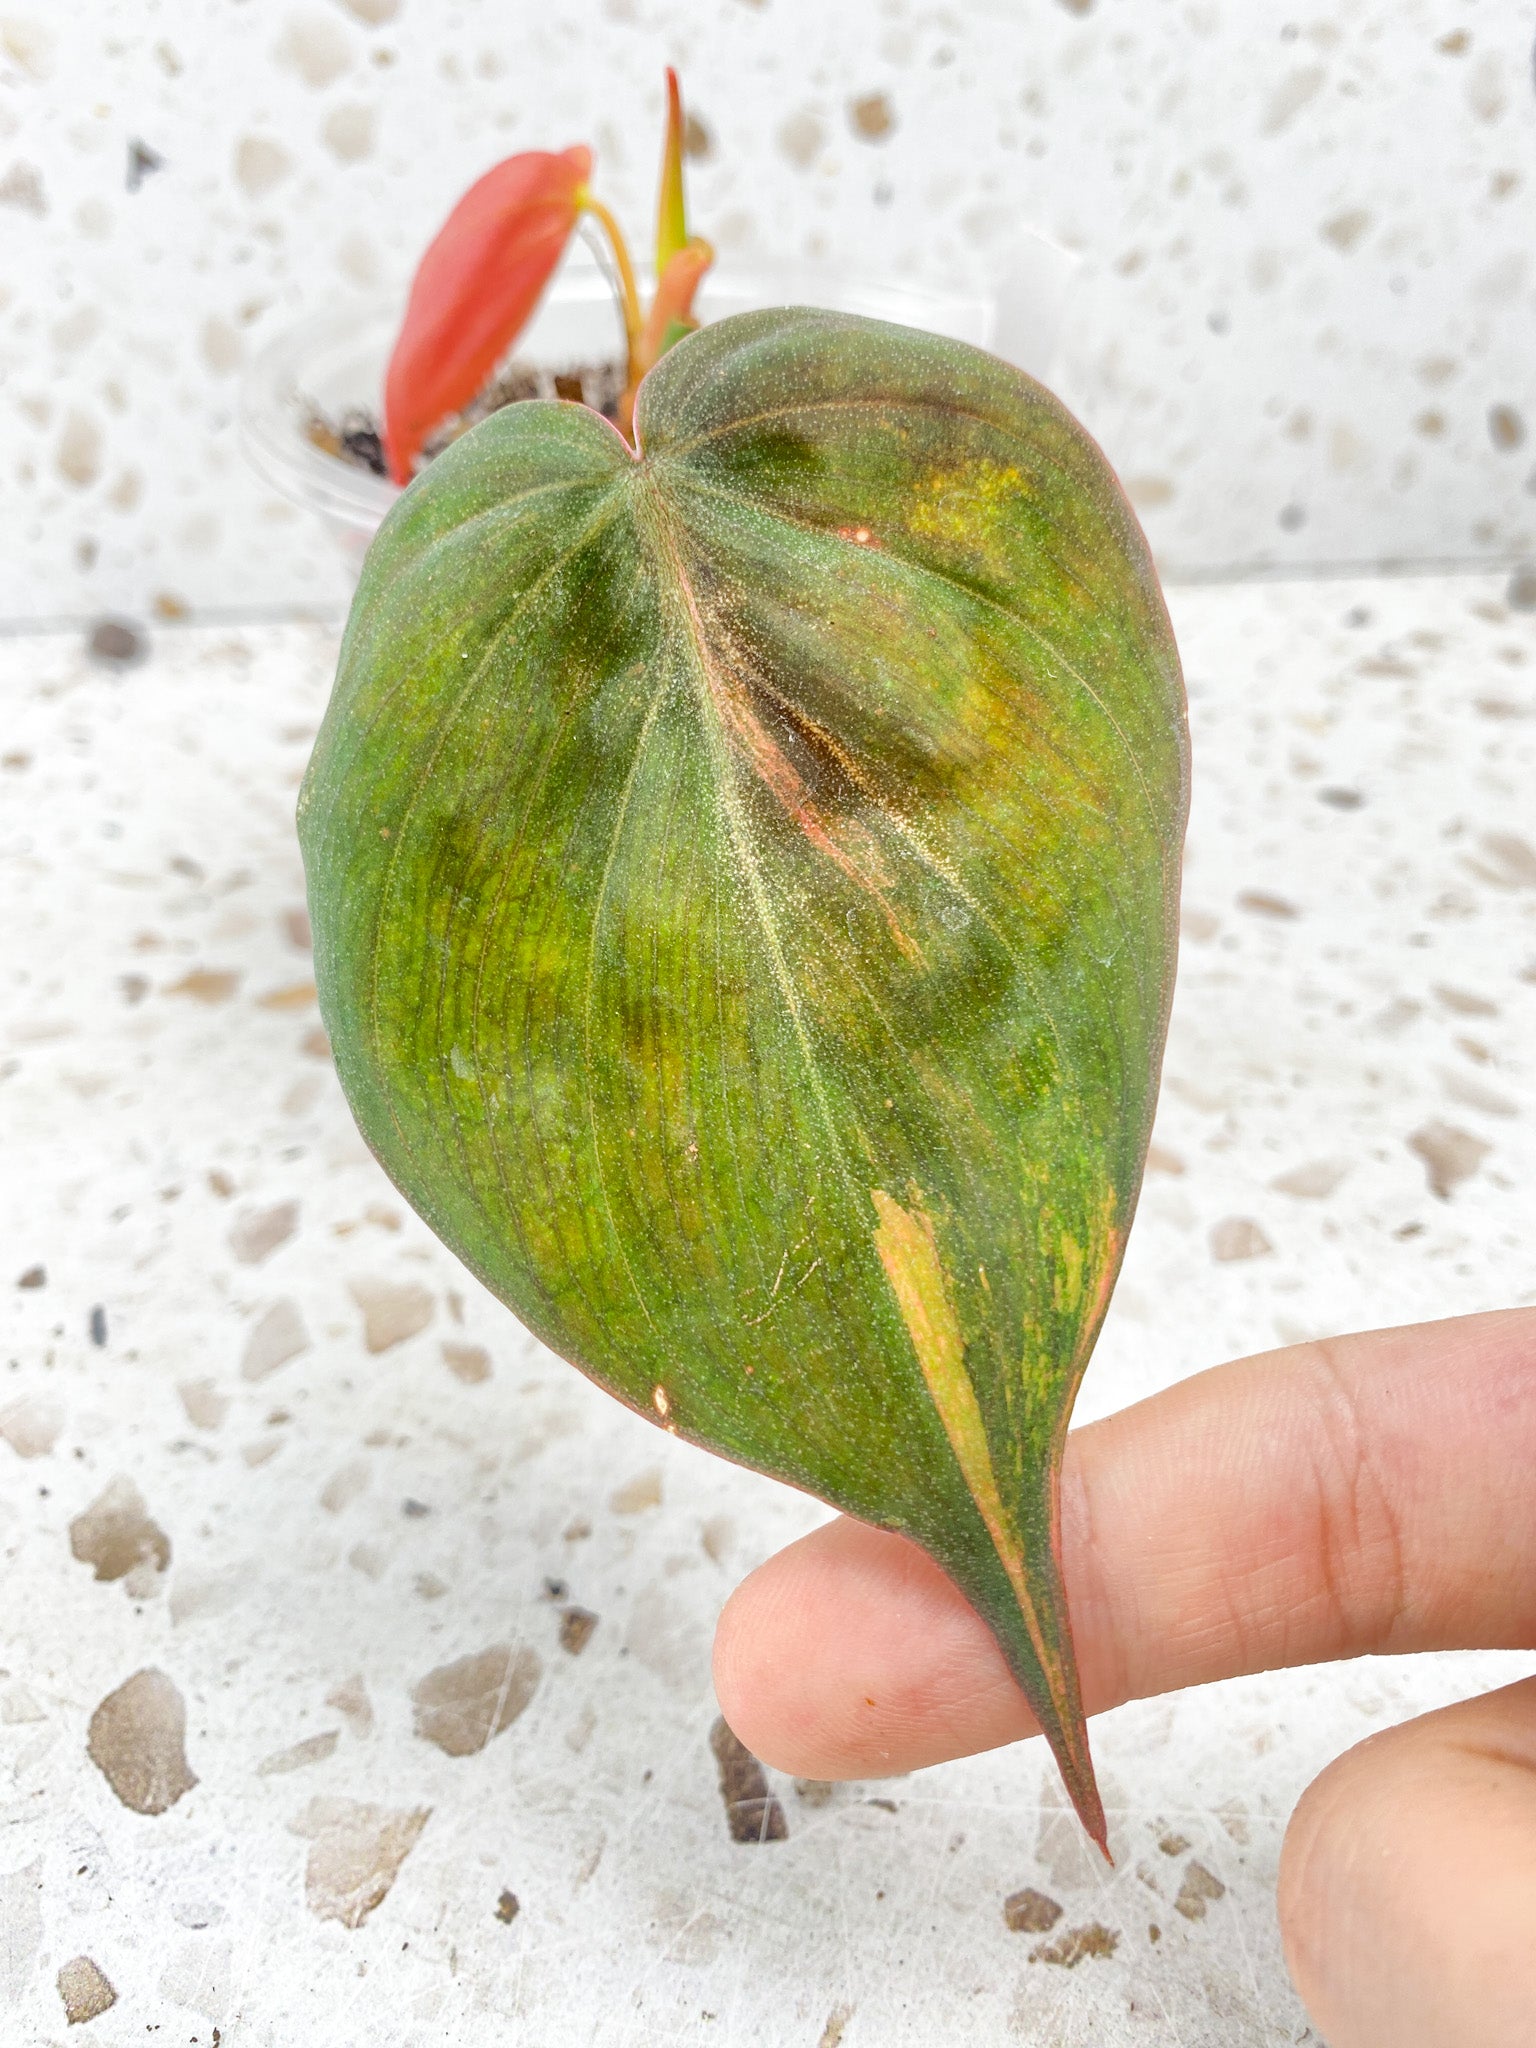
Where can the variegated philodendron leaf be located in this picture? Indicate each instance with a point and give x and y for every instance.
(744, 882)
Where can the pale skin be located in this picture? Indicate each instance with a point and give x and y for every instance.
(1371, 1494)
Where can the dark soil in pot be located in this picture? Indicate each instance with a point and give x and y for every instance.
(355, 436)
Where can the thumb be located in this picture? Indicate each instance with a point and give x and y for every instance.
(1408, 1883)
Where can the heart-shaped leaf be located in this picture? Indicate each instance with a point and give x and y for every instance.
(744, 882)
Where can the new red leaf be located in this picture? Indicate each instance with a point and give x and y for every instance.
(475, 290)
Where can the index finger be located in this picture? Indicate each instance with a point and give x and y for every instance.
(1368, 1494)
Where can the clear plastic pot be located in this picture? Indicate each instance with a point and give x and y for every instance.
(335, 360)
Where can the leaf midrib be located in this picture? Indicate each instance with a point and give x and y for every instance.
(654, 520)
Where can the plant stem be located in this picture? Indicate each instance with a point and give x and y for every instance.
(629, 293)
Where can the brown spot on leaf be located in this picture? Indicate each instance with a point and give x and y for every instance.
(1238, 1237)
(137, 1740)
(355, 1855)
(279, 1336)
(117, 1532)
(470, 1363)
(393, 1311)
(1450, 1155)
(257, 1233)
(206, 985)
(507, 1908)
(1030, 1912)
(1069, 1949)
(85, 1991)
(751, 1811)
(1199, 1888)
(461, 1705)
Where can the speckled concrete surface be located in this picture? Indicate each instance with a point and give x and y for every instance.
(1302, 330)
(304, 1739)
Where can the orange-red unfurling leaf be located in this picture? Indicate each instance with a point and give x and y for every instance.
(476, 289)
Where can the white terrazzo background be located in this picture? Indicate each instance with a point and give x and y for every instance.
(1359, 966)
(1302, 329)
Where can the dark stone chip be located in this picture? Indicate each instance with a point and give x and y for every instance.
(576, 1626)
(752, 1813)
(1030, 1912)
(116, 643)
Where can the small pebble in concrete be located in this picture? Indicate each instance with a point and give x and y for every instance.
(84, 1988)
(1030, 1912)
(116, 644)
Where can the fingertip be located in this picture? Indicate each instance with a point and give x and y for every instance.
(1407, 1883)
(761, 1682)
(852, 1655)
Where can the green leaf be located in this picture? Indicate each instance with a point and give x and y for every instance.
(744, 884)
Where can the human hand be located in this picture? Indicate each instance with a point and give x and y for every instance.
(1372, 1494)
